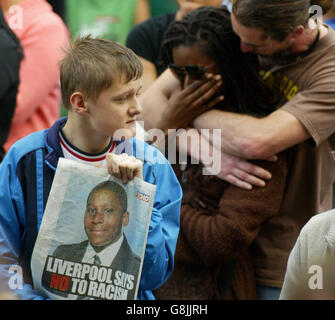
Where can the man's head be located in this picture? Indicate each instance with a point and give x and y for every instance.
(269, 27)
(106, 213)
(100, 81)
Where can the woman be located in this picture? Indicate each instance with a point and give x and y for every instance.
(146, 39)
(38, 99)
(218, 221)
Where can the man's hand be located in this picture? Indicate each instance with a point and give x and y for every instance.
(241, 173)
(124, 167)
(235, 170)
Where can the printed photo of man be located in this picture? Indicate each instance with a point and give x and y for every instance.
(105, 216)
(106, 213)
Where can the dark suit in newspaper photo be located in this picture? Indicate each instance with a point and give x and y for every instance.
(93, 234)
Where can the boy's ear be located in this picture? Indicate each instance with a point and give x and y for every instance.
(78, 103)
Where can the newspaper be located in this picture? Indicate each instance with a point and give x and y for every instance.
(93, 234)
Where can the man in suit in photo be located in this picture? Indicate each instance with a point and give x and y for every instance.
(105, 216)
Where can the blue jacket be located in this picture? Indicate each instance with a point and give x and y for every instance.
(26, 175)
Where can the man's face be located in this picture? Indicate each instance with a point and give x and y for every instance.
(104, 218)
(254, 40)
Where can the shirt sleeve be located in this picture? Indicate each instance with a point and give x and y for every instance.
(312, 255)
(292, 286)
(314, 106)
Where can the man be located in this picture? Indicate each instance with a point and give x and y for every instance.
(297, 64)
(106, 213)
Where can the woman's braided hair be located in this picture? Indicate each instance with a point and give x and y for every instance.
(210, 29)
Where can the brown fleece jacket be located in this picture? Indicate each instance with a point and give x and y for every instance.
(218, 222)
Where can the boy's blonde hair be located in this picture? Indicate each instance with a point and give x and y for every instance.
(91, 65)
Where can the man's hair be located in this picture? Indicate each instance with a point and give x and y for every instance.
(114, 187)
(276, 18)
(210, 29)
(91, 65)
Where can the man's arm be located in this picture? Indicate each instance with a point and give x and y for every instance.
(254, 138)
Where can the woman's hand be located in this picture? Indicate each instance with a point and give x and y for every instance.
(185, 104)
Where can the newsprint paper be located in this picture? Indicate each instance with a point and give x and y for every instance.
(93, 234)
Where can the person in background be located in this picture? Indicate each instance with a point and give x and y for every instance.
(11, 54)
(146, 38)
(310, 267)
(159, 7)
(297, 64)
(59, 7)
(38, 98)
(110, 19)
(218, 221)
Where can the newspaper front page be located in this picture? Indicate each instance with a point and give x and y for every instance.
(92, 238)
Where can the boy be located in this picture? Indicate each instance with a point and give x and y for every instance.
(100, 82)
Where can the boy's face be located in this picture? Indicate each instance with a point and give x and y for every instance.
(115, 110)
(104, 218)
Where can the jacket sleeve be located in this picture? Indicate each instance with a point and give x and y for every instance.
(12, 226)
(220, 236)
(164, 227)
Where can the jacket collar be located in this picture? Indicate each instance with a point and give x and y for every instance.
(55, 150)
(52, 143)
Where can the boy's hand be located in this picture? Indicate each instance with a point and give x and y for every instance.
(124, 167)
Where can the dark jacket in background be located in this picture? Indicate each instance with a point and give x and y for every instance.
(11, 54)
